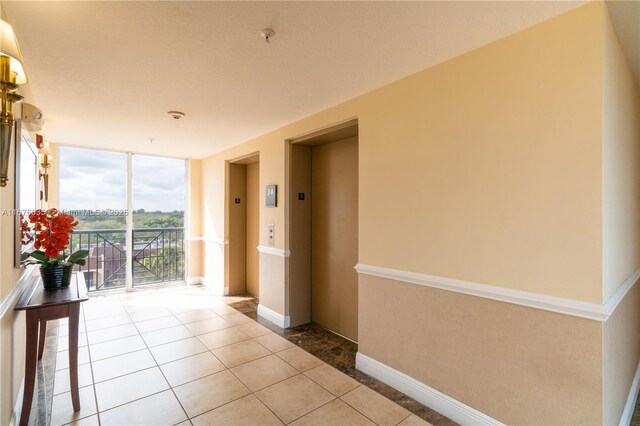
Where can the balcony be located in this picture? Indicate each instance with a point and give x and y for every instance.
(158, 256)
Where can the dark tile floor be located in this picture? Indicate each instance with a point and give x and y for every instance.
(337, 352)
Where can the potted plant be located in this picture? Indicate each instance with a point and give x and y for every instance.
(50, 232)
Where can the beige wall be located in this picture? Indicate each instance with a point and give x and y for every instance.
(620, 224)
(512, 165)
(621, 167)
(621, 352)
(334, 236)
(299, 218)
(490, 164)
(237, 228)
(12, 326)
(253, 228)
(515, 364)
(194, 216)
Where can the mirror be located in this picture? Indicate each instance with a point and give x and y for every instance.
(26, 189)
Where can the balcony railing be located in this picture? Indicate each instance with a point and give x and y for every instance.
(158, 256)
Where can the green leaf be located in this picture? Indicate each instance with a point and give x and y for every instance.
(39, 255)
(78, 256)
(81, 262)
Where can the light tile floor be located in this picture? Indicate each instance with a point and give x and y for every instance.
(182, 356)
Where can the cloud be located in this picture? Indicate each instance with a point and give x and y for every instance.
(91, 179)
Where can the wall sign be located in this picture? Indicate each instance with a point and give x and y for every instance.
(271, 195)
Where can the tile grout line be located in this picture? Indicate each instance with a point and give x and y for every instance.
(162, 372)
(208, 349)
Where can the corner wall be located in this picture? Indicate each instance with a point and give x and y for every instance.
(12, 325)
(620, 225)
(194, 209)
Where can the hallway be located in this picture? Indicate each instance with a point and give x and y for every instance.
(178, 355)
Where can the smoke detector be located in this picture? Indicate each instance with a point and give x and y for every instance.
(176, 115)
(267, 34)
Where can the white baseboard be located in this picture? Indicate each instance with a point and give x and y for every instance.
(443, 404)
(195, 280)
(17, 409)
(629, 407)
(276, 318)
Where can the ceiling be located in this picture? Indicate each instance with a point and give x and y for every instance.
(106, 73)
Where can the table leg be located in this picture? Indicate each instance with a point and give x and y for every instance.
(43, 333)
(30, 366)
(74, 315)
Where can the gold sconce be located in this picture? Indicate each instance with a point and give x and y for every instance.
(11, 76)
(45, 163)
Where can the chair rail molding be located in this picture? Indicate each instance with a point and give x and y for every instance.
(274, 251)
(9, 300)
(592, 311)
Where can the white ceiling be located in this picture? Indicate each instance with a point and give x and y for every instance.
(106, 73)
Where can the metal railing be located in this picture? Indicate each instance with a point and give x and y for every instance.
(158, 256)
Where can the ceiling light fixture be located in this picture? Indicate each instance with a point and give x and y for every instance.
(176, 115)
(11, 76)
(267, 34)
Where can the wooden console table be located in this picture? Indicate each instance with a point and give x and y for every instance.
(41, 306)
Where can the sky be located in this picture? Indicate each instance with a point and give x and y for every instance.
(97, 180)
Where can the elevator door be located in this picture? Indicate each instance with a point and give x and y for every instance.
(334, 236)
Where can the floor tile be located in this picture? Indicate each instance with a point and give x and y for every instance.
(247, 411)
(166, 335)
(62, 381)
(237, 318)
(93, 311)
(63, 342)
(124, 389)
(159, 409)
(178, 349)
(86, 421)
(334, 413)
(223, 310)
(63, 329)
(100, 351)
(332, 380)
(157, 324)
(62, 407)
(375, 406)
(414, 420)
(111, 333)
(239, 353)
(195, 315)
(122, 364)
(273, 342)
(147, 314)
(210, 392)
(253, 329)
(208, 325)
(106, 322)
(299, 358)
(263, 372)
(294, 397)
(62, 358)
(191, 368)
(224, 337)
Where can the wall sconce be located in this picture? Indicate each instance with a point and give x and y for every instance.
(45, 163)
(11, 76)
